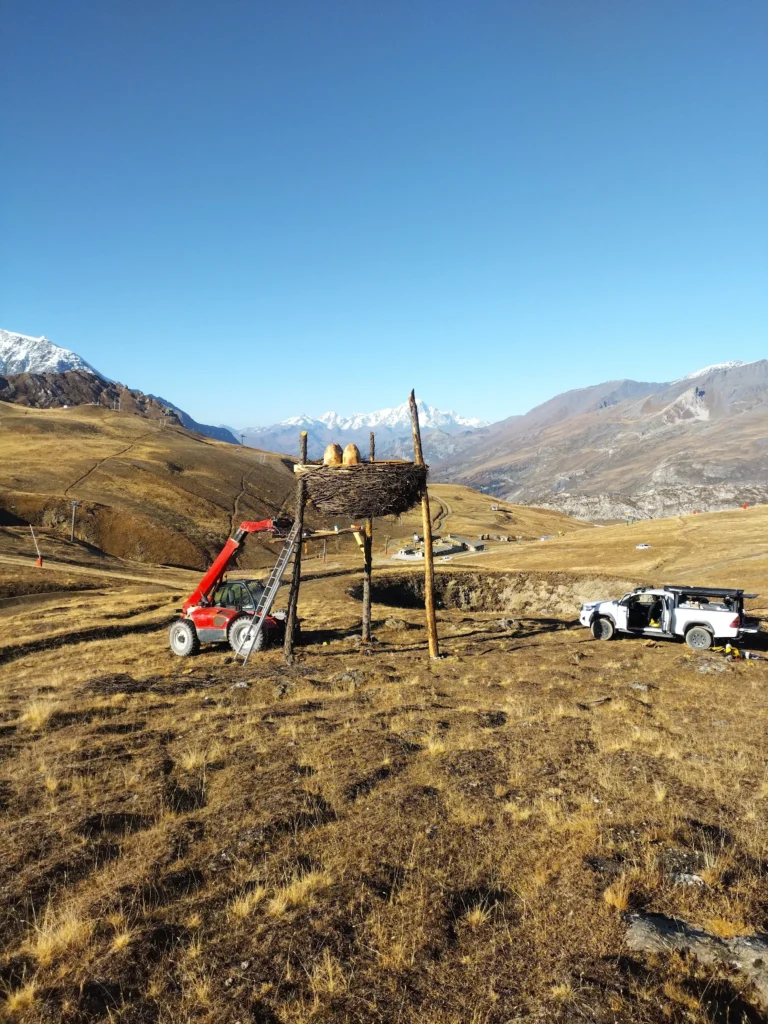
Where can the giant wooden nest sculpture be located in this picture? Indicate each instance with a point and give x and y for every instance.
(366, 491)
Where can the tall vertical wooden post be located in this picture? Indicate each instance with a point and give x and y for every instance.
(429, 560)
(293, 598)
(368, 560)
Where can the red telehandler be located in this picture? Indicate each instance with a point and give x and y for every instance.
(237, 612)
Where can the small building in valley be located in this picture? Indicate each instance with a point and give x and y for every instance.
(466, 543)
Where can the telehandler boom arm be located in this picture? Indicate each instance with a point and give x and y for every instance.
(211, 580)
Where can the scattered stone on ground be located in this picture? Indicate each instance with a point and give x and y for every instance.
(686, 878)
(711, 666)
(393, 623)
(654, 933)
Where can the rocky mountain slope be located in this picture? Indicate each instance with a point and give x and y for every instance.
(444, 433)
(642, 448)
(81, 387)
(35, 372)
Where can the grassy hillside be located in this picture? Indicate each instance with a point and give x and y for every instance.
(457, 509)
(368, 836)
(713, 549)
(365, 835)
(149, 492)
(156, 493)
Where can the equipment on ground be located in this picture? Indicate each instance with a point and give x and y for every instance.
(699, 614)
(237, 612)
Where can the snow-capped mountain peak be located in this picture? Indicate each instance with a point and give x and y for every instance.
(20, 353)
(396, 418)
(298, 421)
(430, 418)
(715, 366)
(443, 429)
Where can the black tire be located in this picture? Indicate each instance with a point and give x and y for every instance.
(699, 638)
(602, 629)
(238, 630)
(183, 638)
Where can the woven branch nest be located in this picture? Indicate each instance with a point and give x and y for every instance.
(366, 491)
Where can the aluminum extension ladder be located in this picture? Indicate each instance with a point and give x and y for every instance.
(268, 595)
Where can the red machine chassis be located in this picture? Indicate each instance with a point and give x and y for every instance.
(211, 623)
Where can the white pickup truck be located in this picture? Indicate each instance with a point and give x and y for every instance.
(699, 614)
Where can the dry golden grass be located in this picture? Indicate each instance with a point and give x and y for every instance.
(243, 905)
(327, 977)
(121, 940)
(371, 837)
(562, 992)
(689, 548)
(297, 891)
(194, 756)
(58, 933)
(618, 893)
(150, 492)
(37, 714)
(22, 998)
(476, 917)
(466, 512)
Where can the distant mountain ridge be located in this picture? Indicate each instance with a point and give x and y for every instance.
(37, 373)
(642, 448)
(600, 452)
(217, 433)
(443, 432)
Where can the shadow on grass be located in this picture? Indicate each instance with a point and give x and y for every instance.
(312, 637)
(80, 636)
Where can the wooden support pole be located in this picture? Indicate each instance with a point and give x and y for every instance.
(429, 561)
(368, 560)
(293, 598)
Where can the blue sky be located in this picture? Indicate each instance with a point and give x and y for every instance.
(258, 209)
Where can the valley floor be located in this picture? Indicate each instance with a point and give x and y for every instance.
(368, 836)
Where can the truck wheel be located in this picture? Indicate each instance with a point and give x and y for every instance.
(238, 632)
(602, 629)
(183, 639)
(699, 638)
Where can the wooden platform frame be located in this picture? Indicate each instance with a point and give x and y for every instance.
(301, 469)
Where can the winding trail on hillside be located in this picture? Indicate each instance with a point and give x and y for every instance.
(445, 511)
(233, 515)
(106, 458)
